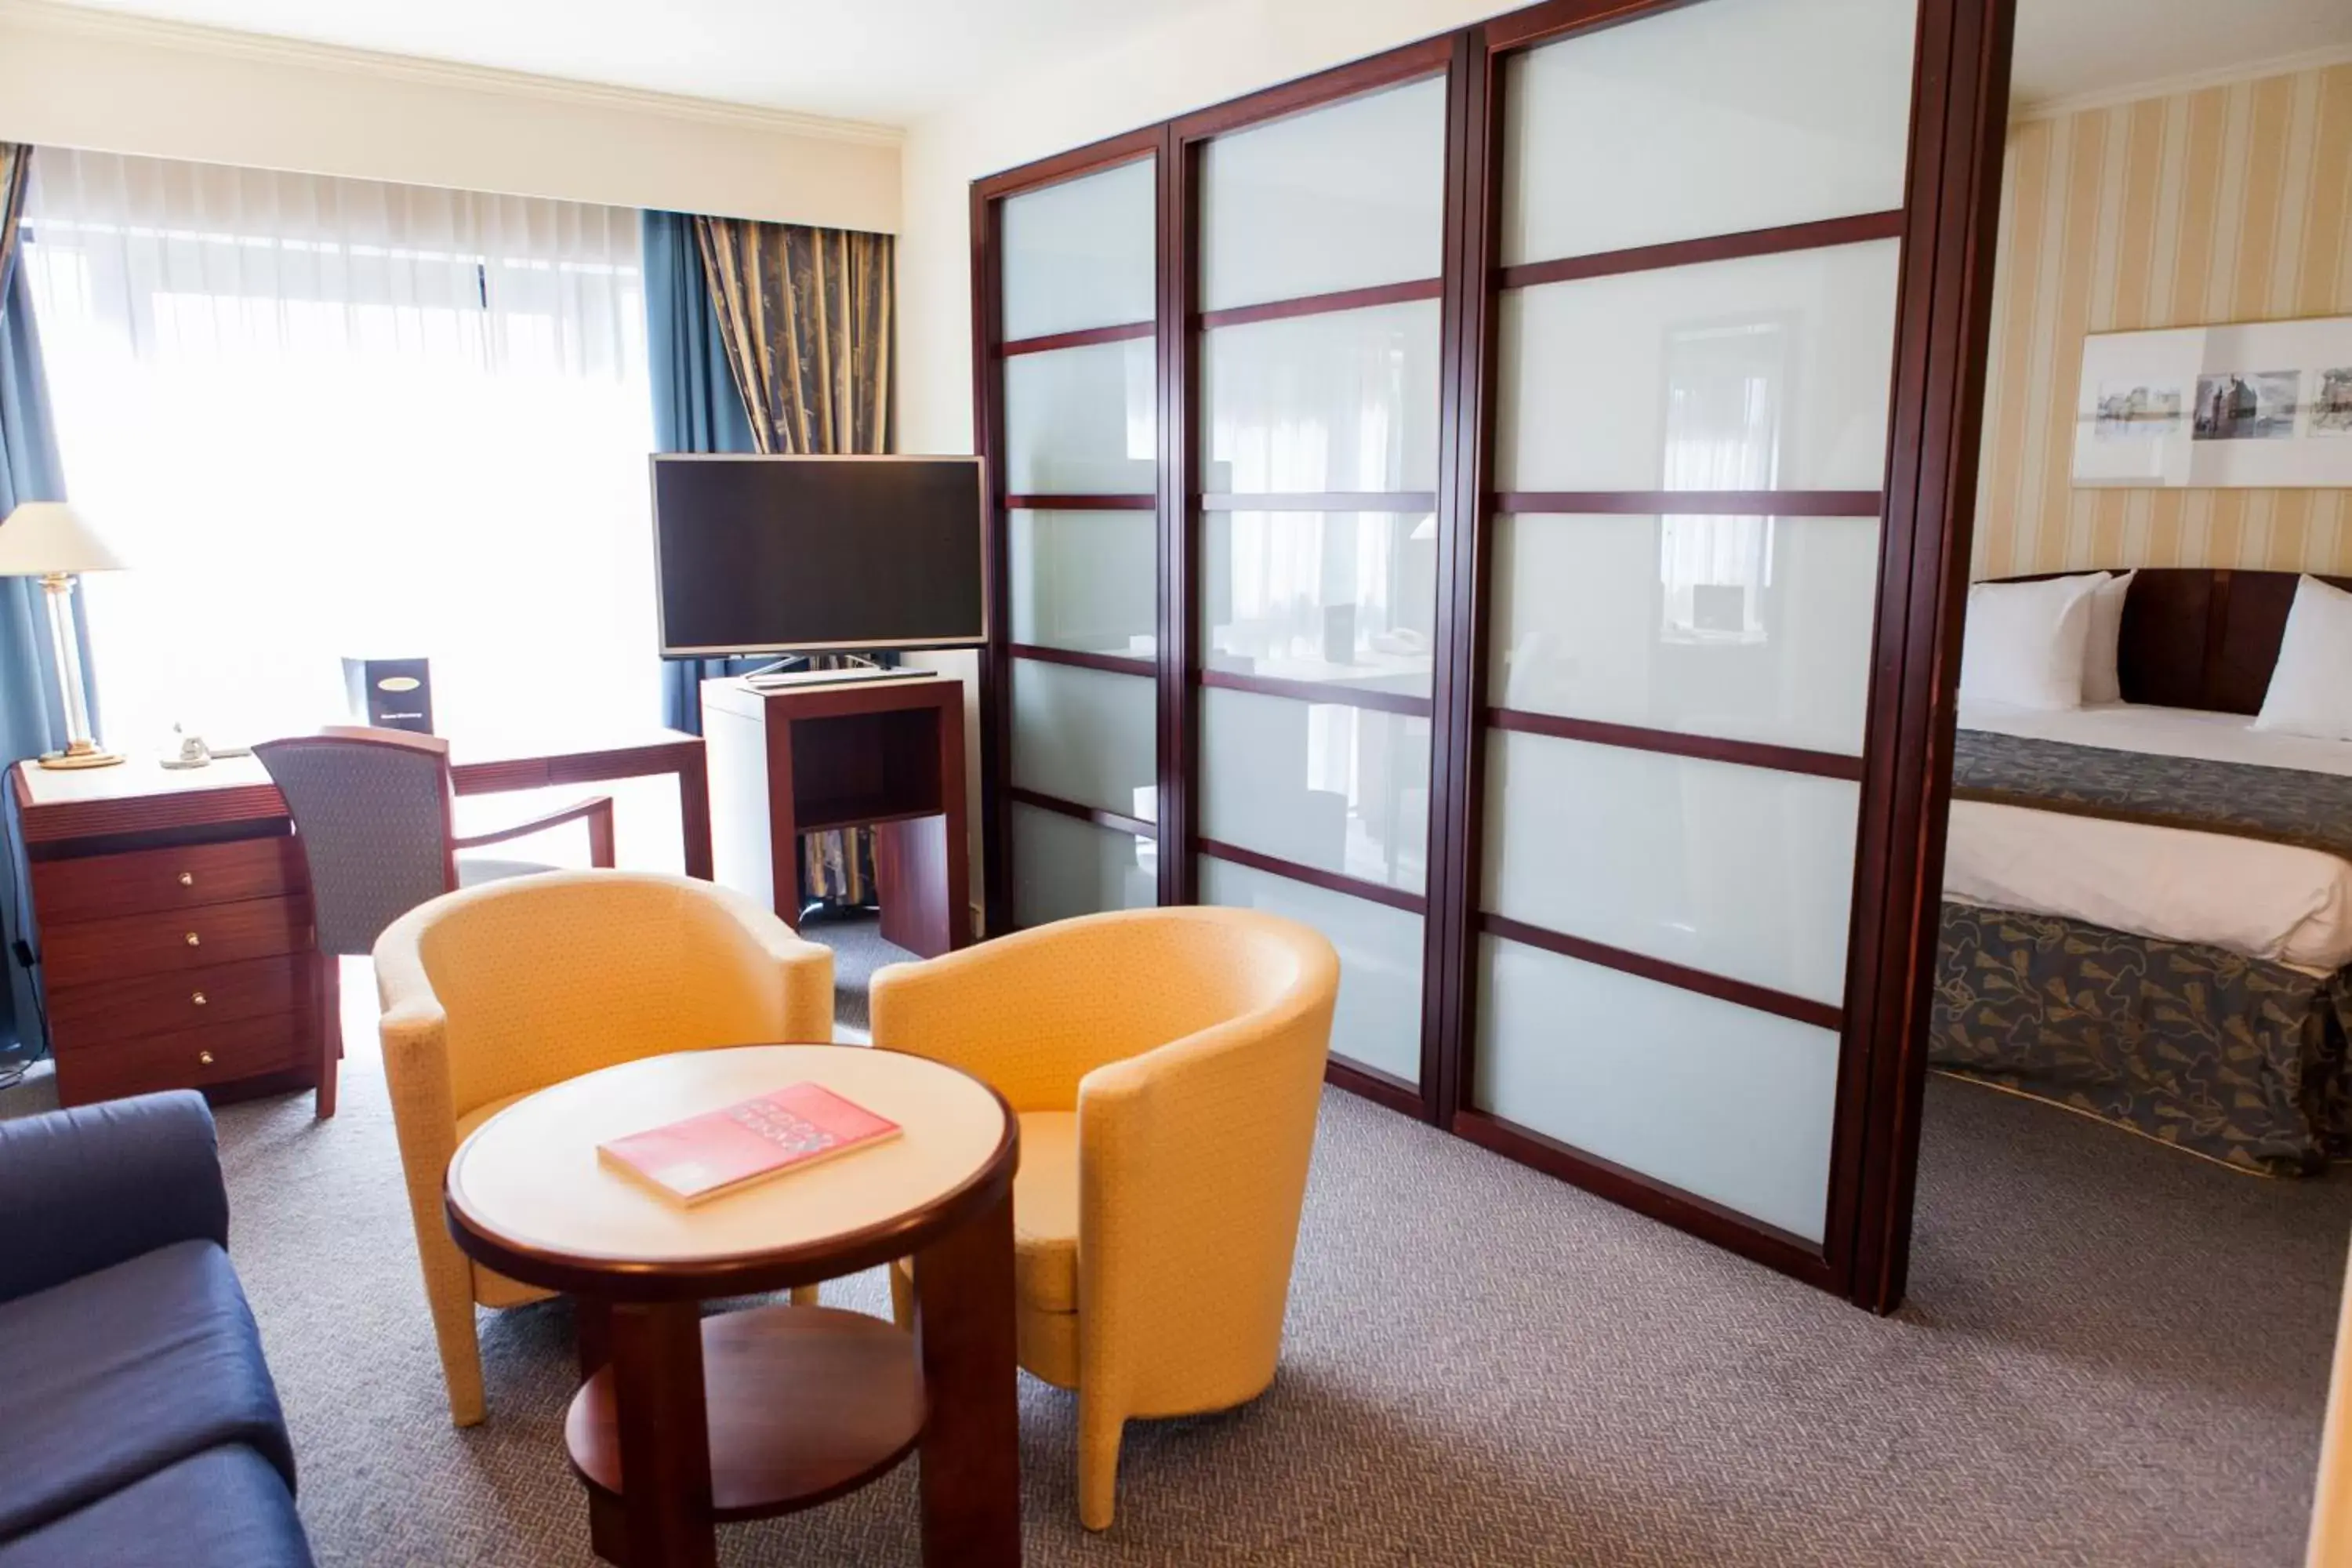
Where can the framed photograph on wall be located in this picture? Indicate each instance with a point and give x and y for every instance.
(2264, 404)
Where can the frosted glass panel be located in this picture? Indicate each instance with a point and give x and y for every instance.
(1349, 597)
(1345, 401)
(1343, 197)
(1085, 580)
(1767, 372)
(1720, 1101)
(1378, 1021)
(1080, 254)
(1743, 873)
(1753, 628)
(1087, 736)
(1338, 788)
(1080, 421)
(1062, 868)
(1733, 115)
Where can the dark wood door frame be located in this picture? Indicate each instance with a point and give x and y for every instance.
(1184, 500)
(1946, 226)
(989, 350)
(1959, 118)
(1179, 579)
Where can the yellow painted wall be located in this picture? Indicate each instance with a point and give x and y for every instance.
(2231, 204)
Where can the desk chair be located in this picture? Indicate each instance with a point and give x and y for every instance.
(1167, 1066)
(372, 813)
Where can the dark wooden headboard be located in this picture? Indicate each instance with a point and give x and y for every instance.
(2202, 637)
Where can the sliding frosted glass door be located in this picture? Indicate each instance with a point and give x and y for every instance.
(1078, 577)
(1694, 329)
(1319, 369)
(1503, 503)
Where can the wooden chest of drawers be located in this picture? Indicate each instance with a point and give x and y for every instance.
(172, 909)
(177, 955)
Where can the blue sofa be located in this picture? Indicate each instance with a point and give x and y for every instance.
(138, 1422)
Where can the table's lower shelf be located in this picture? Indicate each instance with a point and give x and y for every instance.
(805, 1404)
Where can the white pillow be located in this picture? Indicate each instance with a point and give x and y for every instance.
(2311, 686)
(2100, 683)
(2025, 642)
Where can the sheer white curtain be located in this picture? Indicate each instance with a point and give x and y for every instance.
(325, 416)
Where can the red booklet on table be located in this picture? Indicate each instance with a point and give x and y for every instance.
(722, 1152)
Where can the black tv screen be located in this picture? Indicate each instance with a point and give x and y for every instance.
(789, 554)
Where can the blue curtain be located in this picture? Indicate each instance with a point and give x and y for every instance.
(697, 407)
(32, 719)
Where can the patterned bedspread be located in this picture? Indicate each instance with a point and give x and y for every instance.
(2286, 806)
(2234, 1059)
(2238, 1059)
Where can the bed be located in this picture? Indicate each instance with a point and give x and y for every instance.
(2147, 905)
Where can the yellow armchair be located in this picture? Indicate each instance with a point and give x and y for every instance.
(1166, 1066)
(496, 991)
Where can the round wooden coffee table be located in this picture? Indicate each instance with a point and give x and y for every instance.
(682, 1422)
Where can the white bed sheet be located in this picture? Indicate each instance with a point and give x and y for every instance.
(2275, 901)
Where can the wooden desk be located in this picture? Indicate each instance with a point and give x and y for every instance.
(171, 908)
(143, 797)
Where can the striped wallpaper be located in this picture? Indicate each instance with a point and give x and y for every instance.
(2233, 204)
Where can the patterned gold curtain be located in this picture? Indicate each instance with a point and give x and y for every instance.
(806, 315)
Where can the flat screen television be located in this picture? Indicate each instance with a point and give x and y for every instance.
(756, 555)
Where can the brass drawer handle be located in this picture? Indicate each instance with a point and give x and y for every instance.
(187, 879)
(194, 941)
(203, 1058)
(199, 998)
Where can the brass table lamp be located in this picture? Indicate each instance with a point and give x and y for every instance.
(50, 541)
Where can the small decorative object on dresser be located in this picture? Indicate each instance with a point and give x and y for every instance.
(50, 541)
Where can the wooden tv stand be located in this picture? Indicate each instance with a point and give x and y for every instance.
(881, 755)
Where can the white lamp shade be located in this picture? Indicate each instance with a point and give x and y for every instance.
(45, 536)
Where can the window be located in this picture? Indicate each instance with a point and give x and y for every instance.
(1725, 386)
(322, 417)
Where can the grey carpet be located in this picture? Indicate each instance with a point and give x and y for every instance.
(2114, 1354)
(858, 950)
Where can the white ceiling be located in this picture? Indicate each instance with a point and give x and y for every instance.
(887, 61)
(894, 61)
(2072, 49)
